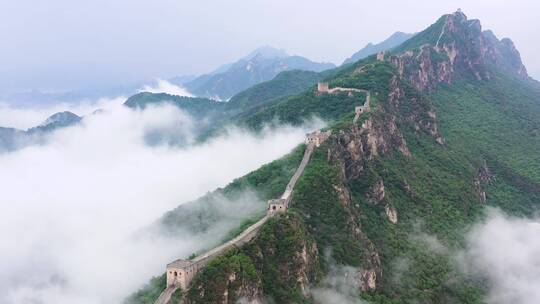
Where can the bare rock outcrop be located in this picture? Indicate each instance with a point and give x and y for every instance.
(483, 178)
(461, 46)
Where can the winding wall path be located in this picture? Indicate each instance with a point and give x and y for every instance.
(190, 267)
(361, 109)
(166, 295)
(200, 261)
(290, 186)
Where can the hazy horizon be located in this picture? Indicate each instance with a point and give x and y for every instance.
(61, 45)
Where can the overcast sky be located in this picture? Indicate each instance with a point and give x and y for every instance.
(65, 44)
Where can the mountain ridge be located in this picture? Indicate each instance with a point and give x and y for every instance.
(12, 139)
(452, 129)
(394, 40)
(261, 65)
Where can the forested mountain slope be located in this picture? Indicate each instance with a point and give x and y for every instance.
(453, 128)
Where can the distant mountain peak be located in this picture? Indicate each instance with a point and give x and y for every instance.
(267, 52)
(456, 45)
(61, 118)
(394, 40)
(466, 37)
(400, 34)
(260, 65)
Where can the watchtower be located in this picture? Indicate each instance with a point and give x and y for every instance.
(322, 87)
(380, 56)
(360, 109)
(317, 137)
(180, 273)
(277, 205)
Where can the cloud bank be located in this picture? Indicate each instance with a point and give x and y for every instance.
(72, 208)
(506, 251)
(340, 286)
(24, 118)
(163, 86)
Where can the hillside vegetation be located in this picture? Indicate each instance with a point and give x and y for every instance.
(453, 128)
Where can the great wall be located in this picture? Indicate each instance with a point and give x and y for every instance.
(180, 272)
(322, 88)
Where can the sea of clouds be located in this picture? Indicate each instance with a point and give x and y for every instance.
(74, 205)
(500, 250)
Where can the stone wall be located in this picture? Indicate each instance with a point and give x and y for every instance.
(300, 170)
(181, 272)
(166, 295)
(362, 109)
(316, 138)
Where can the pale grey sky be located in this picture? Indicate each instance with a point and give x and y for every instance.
(64, 44)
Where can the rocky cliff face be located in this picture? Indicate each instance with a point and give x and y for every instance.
(456, 45)
(369, 272)
(281, 261)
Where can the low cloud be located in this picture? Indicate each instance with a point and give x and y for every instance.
(73, 208)
(163, 86)
(24, 118)
(426, 241)
(505, 251)
(340, 286)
